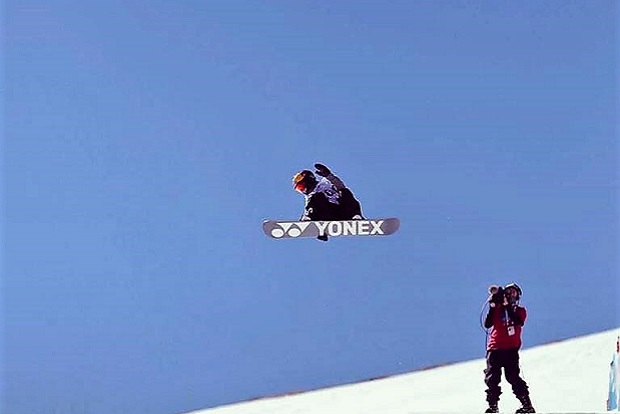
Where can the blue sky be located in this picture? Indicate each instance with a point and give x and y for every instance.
(145, 141)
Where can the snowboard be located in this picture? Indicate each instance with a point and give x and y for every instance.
(301, 229)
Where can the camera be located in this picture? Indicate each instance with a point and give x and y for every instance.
(498, 294)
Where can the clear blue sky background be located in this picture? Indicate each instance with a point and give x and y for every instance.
(145, 141)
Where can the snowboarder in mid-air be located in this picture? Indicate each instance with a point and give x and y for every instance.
(326, 199)
(330, 210)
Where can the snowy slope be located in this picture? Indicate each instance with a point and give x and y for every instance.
(567, 376)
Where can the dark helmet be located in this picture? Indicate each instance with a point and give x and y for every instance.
(515, 287)
(304, 181)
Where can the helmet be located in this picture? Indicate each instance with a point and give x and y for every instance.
(515, 287)
(304, 181)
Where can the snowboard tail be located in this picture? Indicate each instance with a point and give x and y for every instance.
(301, 229)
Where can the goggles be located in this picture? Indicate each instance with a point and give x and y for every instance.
(299, 183)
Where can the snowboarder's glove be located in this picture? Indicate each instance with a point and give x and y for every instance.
(322, 170)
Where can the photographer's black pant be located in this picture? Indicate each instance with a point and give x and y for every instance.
(509, 360)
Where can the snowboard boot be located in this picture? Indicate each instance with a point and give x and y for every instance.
(526, 405)
(492, 408)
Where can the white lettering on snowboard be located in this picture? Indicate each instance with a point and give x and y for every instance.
(350, 228)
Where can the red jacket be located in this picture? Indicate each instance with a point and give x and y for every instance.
(506, 325)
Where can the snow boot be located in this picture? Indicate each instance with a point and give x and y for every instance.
(492, 408)
(526, 405)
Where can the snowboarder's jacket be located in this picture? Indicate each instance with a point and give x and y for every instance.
(330, 200)
(506, 323)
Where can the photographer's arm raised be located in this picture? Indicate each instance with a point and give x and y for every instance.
(488, 321)
(516, 314)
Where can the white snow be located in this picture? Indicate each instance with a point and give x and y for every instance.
(570, 376)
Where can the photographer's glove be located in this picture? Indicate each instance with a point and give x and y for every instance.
(490, 300)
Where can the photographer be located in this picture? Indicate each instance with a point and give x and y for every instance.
(505, 319)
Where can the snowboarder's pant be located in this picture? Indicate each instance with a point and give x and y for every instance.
(509, 360)
(349, 206)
